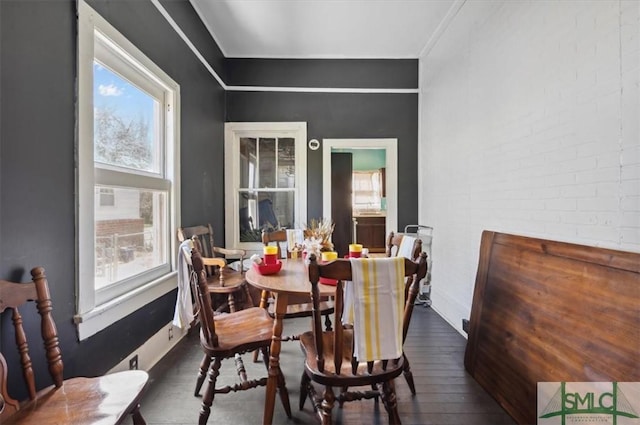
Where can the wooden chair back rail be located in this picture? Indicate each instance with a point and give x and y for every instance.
(324, 357)
(14, 295)
(66, 399)
(201, 234)
(277, 236)
(341, 270)
(224, 281)
(205, 310)
(203, 238)
(548, 311)
(393, 245)
(394, 240)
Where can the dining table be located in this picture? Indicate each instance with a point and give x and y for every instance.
(290, 281)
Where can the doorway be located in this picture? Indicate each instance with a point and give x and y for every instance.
(391, 174)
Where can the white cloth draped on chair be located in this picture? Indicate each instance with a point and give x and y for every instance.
(183, 315)
(406, 247)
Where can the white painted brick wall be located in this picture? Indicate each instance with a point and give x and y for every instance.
(529, 125)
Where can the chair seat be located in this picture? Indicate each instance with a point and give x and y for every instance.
(347, 377)
(244, 330)
(231, 281)
(84, 401)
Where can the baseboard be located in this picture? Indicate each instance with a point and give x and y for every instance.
(154, 349)
(446, 319)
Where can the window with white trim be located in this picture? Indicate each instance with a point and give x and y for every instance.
(265, 171)
(128, 142)
(367, 190)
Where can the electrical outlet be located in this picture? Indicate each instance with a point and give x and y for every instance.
(133, 363)
(465, 325)
(170, 333)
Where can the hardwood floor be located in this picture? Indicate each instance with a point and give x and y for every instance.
(446, 394)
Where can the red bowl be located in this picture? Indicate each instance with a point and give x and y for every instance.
(268, 268)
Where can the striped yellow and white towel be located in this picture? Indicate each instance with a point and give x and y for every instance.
(374, 300)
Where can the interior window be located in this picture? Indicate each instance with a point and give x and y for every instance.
(367, 190)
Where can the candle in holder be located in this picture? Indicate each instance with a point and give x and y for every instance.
(270, 254)
(355, 250)
(329, 256)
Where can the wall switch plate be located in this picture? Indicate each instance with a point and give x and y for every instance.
(133, 363)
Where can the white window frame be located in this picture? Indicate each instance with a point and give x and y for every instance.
(373, 194)
(94, 314)
(233, 132)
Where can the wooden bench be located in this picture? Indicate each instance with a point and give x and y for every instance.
(547, 311)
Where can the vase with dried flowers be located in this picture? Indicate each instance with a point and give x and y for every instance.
(317, 236)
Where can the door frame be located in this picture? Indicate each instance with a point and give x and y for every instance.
(391, 163)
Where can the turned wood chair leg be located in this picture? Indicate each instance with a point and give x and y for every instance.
(388, 395)
(247, 294)
(202, 374)
(408, 375)
(210, 393)
(240, 370)
(326, 407)
(137, 416)
(265, 356)
(284, 394)
(304, 383)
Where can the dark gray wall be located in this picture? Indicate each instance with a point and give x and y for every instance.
(326, 73)
(336, 115)
(340, 115)
(37, 202)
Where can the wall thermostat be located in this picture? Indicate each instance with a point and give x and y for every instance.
(314, 144)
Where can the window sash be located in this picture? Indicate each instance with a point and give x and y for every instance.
(367, 190)
(234, 132)
(119, 176)
(99, 41)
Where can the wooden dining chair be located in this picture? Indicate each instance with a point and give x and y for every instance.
(223, 281)
(395, 242)
(227, 336)
(107, 399)
(329, 358)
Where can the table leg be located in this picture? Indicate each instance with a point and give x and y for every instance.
(274, 359)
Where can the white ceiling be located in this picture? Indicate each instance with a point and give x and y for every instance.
(325, 28)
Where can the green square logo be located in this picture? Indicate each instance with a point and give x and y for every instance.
(588, 403)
